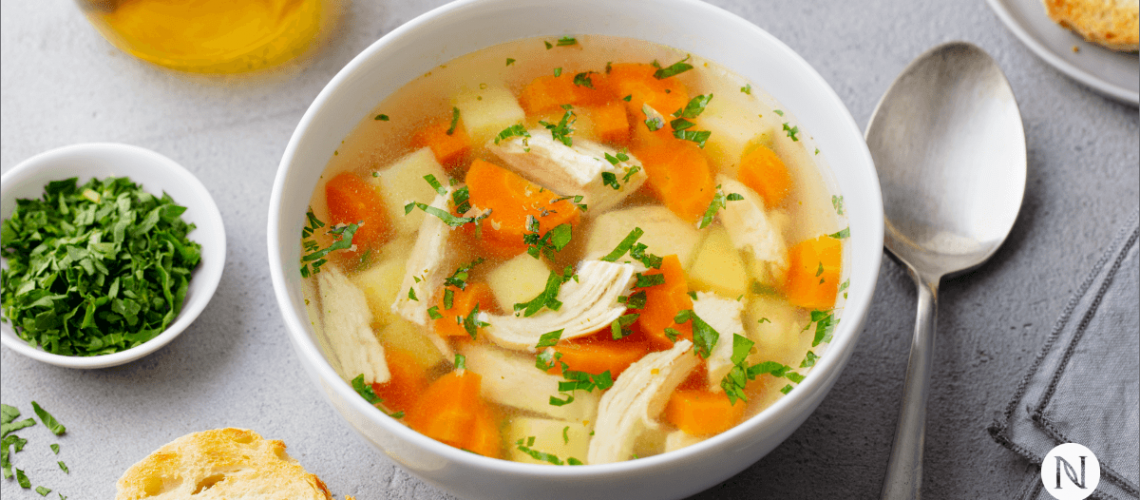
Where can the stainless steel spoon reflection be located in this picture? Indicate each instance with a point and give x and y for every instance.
(949, 146)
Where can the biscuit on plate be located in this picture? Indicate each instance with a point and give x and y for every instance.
(229, 464)
(1111, 23)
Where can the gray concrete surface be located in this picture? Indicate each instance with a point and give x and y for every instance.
(61, 83)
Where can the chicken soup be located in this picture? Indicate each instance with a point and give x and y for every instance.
(576, 250)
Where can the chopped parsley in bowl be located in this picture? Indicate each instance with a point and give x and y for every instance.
(110, 251)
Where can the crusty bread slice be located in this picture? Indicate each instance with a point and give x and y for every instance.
(230, 464)
(1112, 23)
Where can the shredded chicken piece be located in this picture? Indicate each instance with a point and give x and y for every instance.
(347, 322)
(664, 234)
(723, 315)
(588, 305)
(754, 231)
(635, 401)
(512, 379)
(428, 265)
(572, 170)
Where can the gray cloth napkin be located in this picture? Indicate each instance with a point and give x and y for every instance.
(1084, 387)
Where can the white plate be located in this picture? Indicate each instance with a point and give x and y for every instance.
(156, 174)
(1114, 74)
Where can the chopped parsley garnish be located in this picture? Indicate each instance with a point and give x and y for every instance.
(454, 120)
(461, 198)
(720, 200)
(625, 245)
(566, 435)
(433, 312)
(635, 300)
(548, 45)
(435, 185)
(458, 279)
(365, 391)
(444, 215)
(792, 131)
(736, 379)
(43, 491)
(460, 362)
(620, 328)
(825, 322)
(841, 234)
(672, 334)
(567, 41)
(694, 108)
(381, 118)
(747, 88)
(557, 72)
(648, 280)
(525, 447)
(95, 268)
(52, 424)
(549, 339)
(63, 467)
(548, 298)
(786, 389)
(510, 61)
(704, 336)
(837, 202)
(55, 448)
(809, 360)
(23, 479)
(627, 98)
(9, 427)
(843, 286)
(412, 294)
(698, 136)
(778, 112)
(547, 359)
(553, 241)
(516, 130)
(583, 80)
(615, 159)
(577, 200)
(562, 130)
(311, 262)
(673, 69)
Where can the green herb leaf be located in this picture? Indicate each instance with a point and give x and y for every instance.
(510, 61)
(673, 69)
(63, 467)
(435, 185)
(764, 320)
(672, 334)
(549, 339)
(837, 202)
(412, 294)
(516, 130)
(548, 298)
(8, 413)
(365, 391)
(454, 122)
(381, 118)
(23, 479)
(43, 491)
(566, 435)
(562, 130)
(567, 41)
(458, 279)
(694, 107)
(648, 280)
(548, 45)
(620, 328)
(698, 136)
(720, 200)
(747, 89)
(704, 337)
(547, 359)
(809, 360)
(446, 216)
(841, 234)
(786, 389)
(433, 312)
(792, 131)
(15, 426)
(471, 323)
(778, 112)
(627, 98)
(625, 245)
(460, 362)
(583, 80)
(557, 72)
(49, 421)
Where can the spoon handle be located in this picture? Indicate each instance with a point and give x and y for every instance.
(904, 470)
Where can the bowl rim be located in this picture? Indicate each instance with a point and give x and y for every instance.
(857, 306)
(208, 274)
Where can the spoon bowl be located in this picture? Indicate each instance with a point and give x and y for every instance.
(949, 146)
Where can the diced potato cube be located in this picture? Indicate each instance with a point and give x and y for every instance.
(718, 266)
(486, 112)
(778, 330)
(412, 339)
(665, 233)
(556, 437)
(381, 284)
(518, 280)
(511, 379)
(734, 125)
(403, 182)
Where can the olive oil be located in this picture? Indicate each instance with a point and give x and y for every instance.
(212, 36)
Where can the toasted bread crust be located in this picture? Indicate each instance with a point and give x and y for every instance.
(1112, 23)
(219, 464)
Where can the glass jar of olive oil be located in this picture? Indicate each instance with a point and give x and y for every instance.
(213, 36)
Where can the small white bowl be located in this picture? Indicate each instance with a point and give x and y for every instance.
(155, 173)
(465, 26)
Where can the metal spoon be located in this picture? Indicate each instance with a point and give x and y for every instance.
(948, 143)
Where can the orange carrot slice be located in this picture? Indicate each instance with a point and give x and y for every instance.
(813, 273)
(451, 409)
(663, 302)
(450, 149)
(610, 123)
(548, 93)
(678, 172)
(637, 81)
(409, 380)
(764, 172)
(462, 303)
(512, 200)
(351, 200)
(599, 353)
(701, 412)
